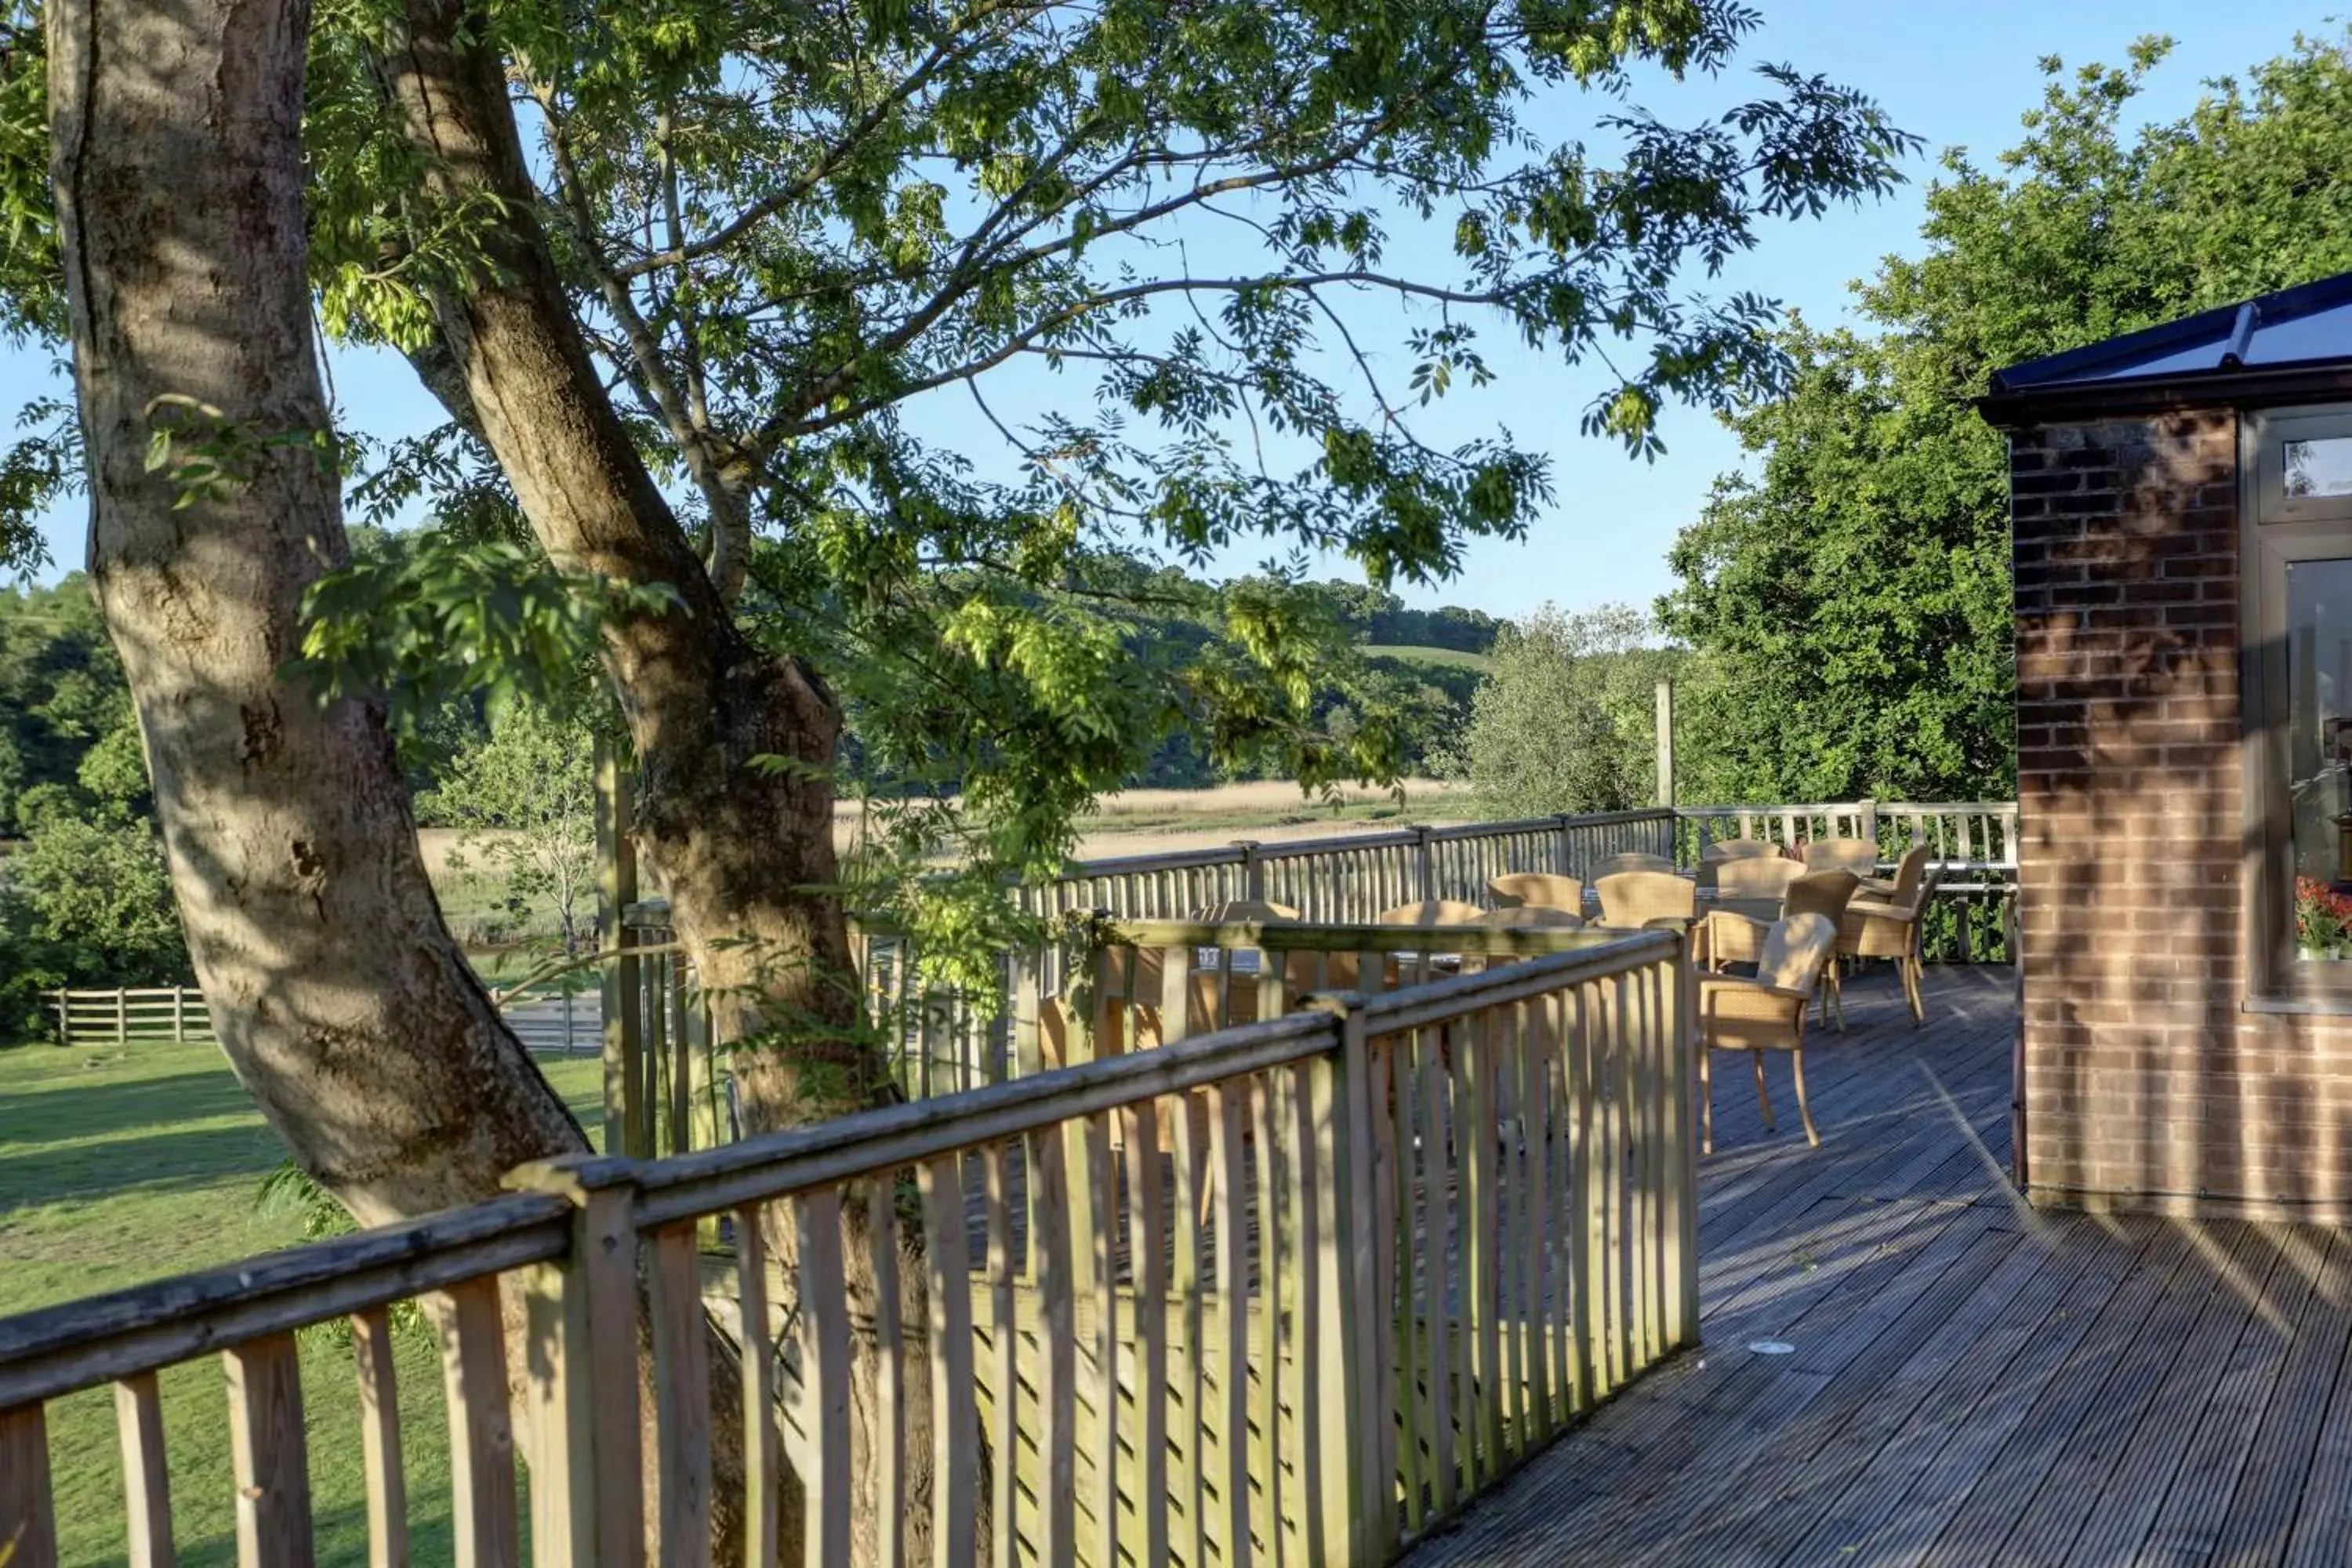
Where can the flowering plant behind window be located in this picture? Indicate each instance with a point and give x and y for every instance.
(2323, 917)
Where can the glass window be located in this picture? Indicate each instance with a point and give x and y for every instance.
(2320, 468)
(2319, 755)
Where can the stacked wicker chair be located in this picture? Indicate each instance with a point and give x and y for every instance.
(1882, 922)
(1765, 1013)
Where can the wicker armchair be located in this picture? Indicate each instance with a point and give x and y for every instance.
(1537, 890)
(1766, 1012)
(1756, 877)
(1886, 925)
(1632, 861)
(1532, 917)
(1631, 900)
(1244, 912)
(1735, 938)
(1431, 913)
(1858, 855)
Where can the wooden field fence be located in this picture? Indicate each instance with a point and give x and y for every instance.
(1287, 1293)
(124, 1014)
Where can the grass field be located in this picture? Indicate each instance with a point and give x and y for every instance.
(1451, 658)
(119, 1166)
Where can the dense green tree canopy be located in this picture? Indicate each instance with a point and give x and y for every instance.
(1567, 720)
(1169, 256)
(1849, 589)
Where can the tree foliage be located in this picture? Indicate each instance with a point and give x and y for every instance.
(1158, 255)
(1849, 590)
(1567, 719)
(523, 797)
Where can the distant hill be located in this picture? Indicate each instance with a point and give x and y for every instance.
(1442, 658)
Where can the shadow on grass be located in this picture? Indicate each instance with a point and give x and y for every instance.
(157, 1157)
(107, 1107)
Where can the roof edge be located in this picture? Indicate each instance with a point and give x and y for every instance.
(2090, 402)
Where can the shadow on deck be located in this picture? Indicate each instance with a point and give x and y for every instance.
(1966, 1381)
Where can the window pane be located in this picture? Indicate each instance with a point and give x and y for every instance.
(2319, 754)
(2321, 467)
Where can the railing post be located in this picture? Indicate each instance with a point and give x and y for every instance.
(1252, 868)
(616, 889)
(122, 1016)
(1559, 841)
(1679, 1039)
(1424, 859)
(1666, 697)
(587, 1465)
(65, 1020)
(1351, 1390)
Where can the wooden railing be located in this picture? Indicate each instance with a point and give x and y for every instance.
(1287, 1292)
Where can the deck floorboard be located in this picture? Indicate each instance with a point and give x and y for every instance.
(1971, 1382)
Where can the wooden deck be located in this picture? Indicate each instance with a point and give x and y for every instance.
(1967, 1381)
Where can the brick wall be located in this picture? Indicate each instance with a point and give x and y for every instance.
(2145, 1085)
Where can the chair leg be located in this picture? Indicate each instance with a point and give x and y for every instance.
(1911, 990)
(1836, 1000)
(1797, 1061)
(1705, 1101)
(1763, 1095)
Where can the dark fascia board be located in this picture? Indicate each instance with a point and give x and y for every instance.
(2076, 366)
(2085, 401)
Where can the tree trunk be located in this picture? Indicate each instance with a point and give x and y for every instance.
(344, 1004)
(742, 849)
(335, 988)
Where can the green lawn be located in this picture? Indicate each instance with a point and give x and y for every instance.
(1452, 657)
(119, 1165)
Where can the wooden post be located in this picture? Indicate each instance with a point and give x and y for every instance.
(1666, 743)
(1559, 846)
(616, 889)
(1252, 868)
(65, 1020)
(587, 1497)
(28, 1525)
(1359, 1493)
(1425, 868)
(122, 1016)
(179, 1015)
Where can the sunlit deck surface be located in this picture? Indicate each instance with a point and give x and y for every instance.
(1970, 1383)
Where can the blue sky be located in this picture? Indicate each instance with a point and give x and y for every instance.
(1956, 73)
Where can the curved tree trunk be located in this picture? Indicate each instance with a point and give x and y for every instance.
(336, 990)
(742, 849)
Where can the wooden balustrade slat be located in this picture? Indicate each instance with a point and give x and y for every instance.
(380, 1447)
(269, 1460)
(146, 1481)
(1004, 1339)
(889, 1444)
(1274, 1249)
(763, 1459)
(1147, 1231)
(681, 1397)
(1515, 1223)
(29, 1526)
(825, 1472)
(481, 1441)
(1402, 1143)
(955, 1410)
(1050, 1247)
(1228, 1184)
(1589, 1201)
(1540, 1223)
(1447, 1350)
(1101, 1245)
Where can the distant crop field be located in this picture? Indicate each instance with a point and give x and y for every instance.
(1451, 658)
